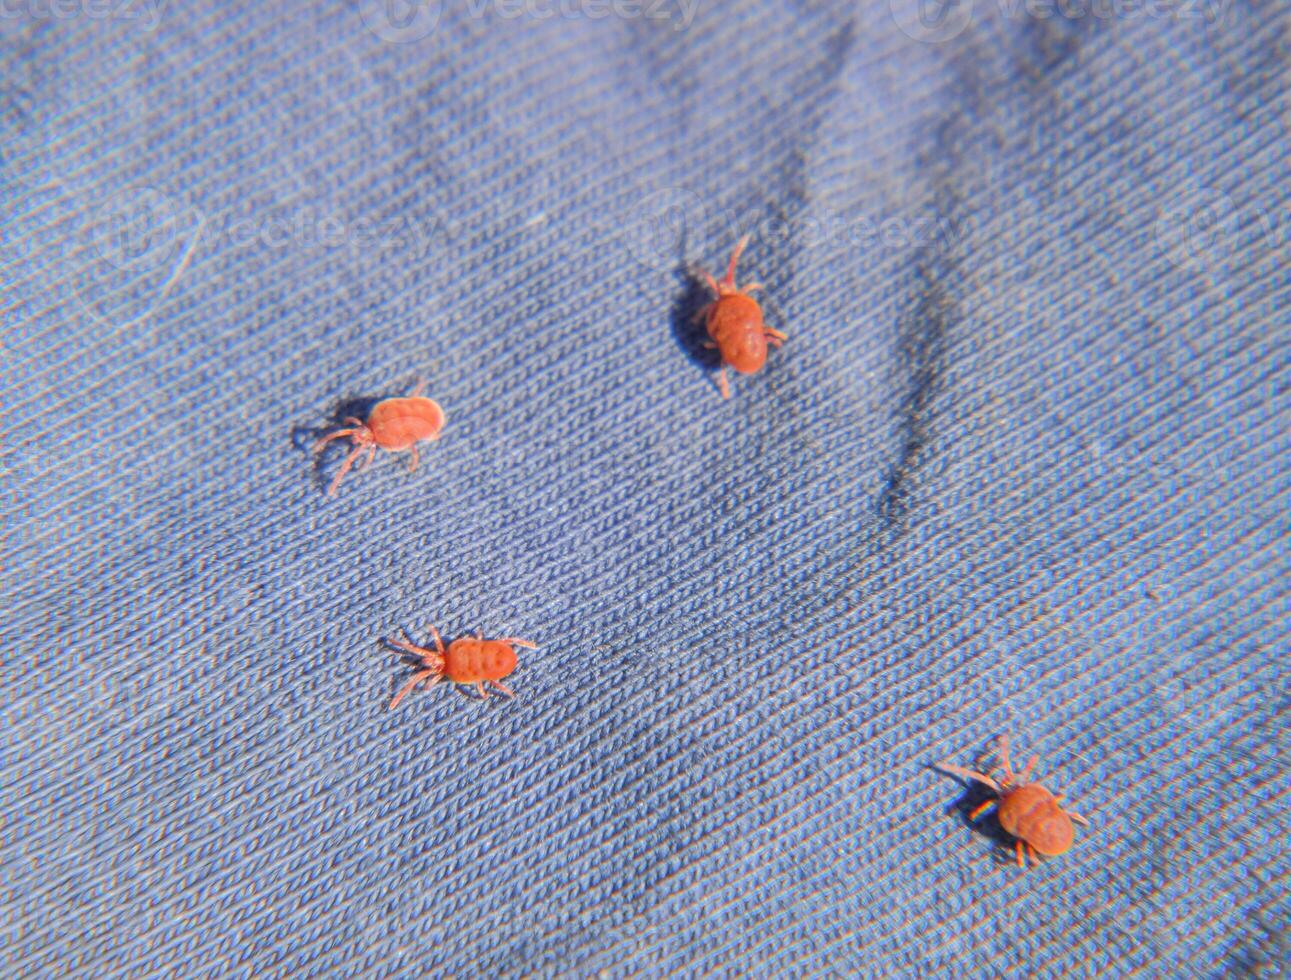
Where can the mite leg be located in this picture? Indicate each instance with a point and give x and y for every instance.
(412, 648)
(439, 644)
(721, 380)
(416, 679)
(484, 694)
(516, 641)
(412, 465)
(702, 313)
(751, 287)
(712, 284)
(345, 468)
(504, 689)
(372, 454)
(979, 810)
(1075, 816)
(1004, 759)
(1017, 846)
(1035, 858)
(1026, 773)
(338, 434)
(774, 341)
(419, 390)
(968, 774)
(735, 258)
(708, 345)
(777, 334)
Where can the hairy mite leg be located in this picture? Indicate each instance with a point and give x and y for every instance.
(338, 434)
(345, 468)
(1004, 759)
(416, 679)
(1026, 773)
(735, 258)
(412, 648)
(969, 774)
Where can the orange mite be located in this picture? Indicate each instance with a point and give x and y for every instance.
(467, 660)
(1027, 811)
(394, 424)
(734, 322)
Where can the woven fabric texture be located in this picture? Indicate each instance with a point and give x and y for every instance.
(1021, 467)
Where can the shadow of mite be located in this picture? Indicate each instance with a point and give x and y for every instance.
(688, 328)
(303, 437)
(988, 824)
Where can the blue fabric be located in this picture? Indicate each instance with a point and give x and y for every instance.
(1022, 466)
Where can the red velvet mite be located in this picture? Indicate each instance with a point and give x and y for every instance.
(467, 660)
(734, 322)
(1027, 811)
(394, 424)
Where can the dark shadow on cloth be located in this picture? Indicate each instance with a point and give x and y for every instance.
(988, 824)
(688, 328)
(1269, 945)
(922, 347)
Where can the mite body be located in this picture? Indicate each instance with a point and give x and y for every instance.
(1027, 811)
(469, 660)
(394, 424)
(734, 322)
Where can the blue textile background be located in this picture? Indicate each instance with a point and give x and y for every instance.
(1022, 466)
